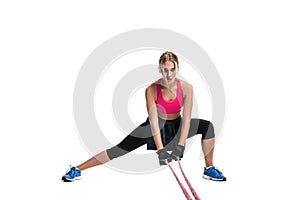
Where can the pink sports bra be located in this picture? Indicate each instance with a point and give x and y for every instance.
(169, 106)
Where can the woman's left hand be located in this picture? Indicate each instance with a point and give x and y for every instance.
(177, 152)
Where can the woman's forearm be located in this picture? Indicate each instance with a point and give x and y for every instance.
(185, 127)
(158, 142)
(155, 130)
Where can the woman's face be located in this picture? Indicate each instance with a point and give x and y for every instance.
(169, 71)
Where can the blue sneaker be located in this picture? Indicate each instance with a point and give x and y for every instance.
(72, 174)
(212, 173)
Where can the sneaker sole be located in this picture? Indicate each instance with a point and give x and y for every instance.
(213, 179)
(71, 180)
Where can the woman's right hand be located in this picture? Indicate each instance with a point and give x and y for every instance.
(164, 157)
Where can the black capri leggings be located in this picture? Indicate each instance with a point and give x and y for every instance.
(170, 132)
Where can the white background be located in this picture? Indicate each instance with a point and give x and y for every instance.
(254, 45)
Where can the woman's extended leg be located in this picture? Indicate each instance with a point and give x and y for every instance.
(98, 159)
(137, 138)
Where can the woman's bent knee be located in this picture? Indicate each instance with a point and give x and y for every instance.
(210, 133)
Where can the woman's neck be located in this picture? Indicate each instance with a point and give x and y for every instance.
(169, 84)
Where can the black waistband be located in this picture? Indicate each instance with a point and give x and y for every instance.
(170, 121)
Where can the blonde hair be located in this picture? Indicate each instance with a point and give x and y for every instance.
(168, 56)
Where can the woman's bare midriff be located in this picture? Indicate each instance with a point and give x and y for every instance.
(168, 116)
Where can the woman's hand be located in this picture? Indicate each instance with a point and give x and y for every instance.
(164, 157)
(177, 152)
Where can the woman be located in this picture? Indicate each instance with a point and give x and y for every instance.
(164, 130)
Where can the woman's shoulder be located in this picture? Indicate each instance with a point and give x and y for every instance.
(185, 85)
(187, 88)
(151, 90)
(152, 87)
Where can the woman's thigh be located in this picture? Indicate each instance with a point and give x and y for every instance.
(201, 126)
(138, 137)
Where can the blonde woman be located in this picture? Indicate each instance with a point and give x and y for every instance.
(169, 124)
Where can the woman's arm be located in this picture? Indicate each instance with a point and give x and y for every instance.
(153, 116)
(187, 112)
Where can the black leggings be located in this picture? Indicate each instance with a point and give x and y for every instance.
(170, 132)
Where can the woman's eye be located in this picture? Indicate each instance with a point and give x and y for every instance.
(171, 70)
